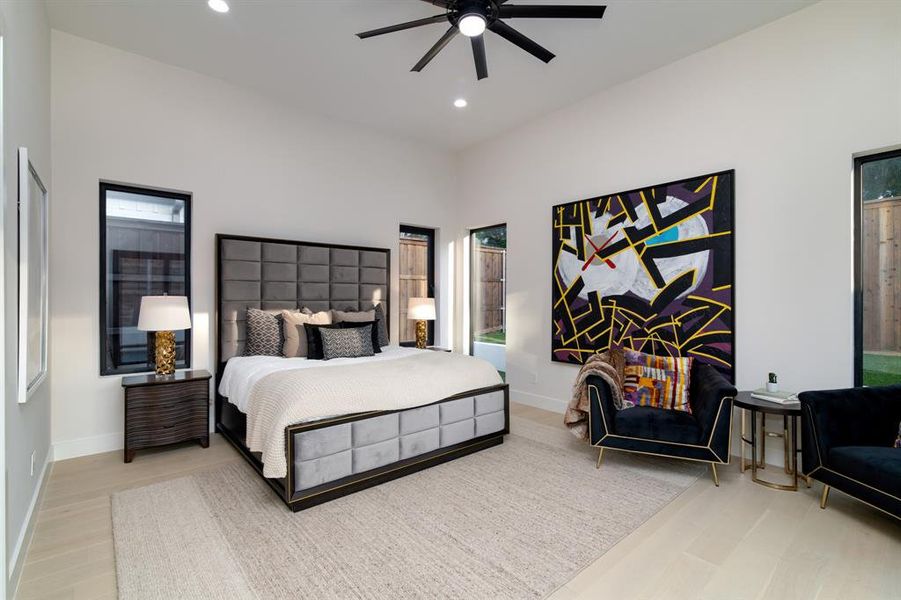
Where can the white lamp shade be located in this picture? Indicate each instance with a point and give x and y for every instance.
(421, 309)
(164, 313)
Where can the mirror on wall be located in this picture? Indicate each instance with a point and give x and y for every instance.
(33, 288)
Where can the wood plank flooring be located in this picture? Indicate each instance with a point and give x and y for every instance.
(738, 541)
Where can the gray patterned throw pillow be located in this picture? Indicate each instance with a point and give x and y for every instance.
(346, 343)
(264, 334)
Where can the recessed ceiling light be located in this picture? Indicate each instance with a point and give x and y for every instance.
(472, 25)
(460, 102)
(220, 6)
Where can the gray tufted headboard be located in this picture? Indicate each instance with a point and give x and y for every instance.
(283, 274)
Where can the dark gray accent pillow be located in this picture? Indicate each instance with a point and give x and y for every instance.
(382, 325)
(346, 343)
(264, 334)
(372, 327)
(314, 339)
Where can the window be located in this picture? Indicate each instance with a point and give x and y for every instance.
(488, 294)
(145, 250)
(877, 294)
(417, 277)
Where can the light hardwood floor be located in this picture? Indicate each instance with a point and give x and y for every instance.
(737, 541)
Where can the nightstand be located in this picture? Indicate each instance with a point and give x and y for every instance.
(167, 409)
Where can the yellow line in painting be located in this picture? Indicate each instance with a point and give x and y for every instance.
(711, 301)
(700, 187)
(721, 288)
(710, 356)
(650, 213)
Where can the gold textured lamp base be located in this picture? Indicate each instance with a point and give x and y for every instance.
(165, 352)
(422, 335)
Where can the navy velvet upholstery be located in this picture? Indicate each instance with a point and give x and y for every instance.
(847, 442)
(702, 435)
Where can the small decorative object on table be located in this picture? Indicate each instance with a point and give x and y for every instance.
(421, 310)
(164, 315)
(166, 410)
(772, 383)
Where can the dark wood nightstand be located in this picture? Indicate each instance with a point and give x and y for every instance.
(161, 410)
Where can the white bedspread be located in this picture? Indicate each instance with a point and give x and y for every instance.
(276, 392)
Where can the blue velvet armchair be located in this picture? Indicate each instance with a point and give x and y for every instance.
(847, 442)
(703, 435)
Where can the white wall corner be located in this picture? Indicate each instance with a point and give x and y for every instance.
(23, 540)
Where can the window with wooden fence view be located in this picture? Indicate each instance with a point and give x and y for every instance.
(488, 291)
(878, 358)
(417, 277)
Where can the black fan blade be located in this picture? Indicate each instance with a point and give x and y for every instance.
(478, 55)
(434, 50)
(441, 3)
(515, 37)
(543, 11)
(402, 26)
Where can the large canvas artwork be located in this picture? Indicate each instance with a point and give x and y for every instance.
(649, 269)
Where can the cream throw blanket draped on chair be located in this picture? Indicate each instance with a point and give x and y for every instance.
(609, 367)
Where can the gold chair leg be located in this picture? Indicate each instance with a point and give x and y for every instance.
(824, 497)
(600, 456)
(716, 480)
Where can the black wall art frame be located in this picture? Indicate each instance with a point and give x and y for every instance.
(650, 269)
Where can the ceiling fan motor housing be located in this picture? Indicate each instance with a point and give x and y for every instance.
(487, 9)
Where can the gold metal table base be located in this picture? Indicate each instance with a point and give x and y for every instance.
(790, 450)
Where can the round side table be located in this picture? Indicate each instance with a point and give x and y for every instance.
(791, 417)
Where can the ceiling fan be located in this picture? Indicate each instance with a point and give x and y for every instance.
(473, 17)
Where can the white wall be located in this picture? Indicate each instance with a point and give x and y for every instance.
(26, 122)
(786, 106)
(254, 166)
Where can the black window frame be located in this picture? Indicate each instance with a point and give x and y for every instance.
(430, 234)
(859, 162)
(105, 187)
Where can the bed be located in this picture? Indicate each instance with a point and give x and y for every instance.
(430, 407)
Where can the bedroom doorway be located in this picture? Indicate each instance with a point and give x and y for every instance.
(488, 295)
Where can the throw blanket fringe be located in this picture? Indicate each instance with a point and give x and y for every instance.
(609, 367)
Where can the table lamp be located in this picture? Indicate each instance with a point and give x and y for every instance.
(164, 315)
(421, 310)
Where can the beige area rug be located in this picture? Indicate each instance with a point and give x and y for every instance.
(514, 521)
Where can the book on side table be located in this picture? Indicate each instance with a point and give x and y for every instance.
(777, 397)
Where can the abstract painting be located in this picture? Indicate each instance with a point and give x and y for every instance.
(650, 269)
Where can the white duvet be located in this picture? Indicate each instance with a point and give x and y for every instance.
(243, 372)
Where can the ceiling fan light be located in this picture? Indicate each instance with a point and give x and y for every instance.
(472, 25)
(220, 6)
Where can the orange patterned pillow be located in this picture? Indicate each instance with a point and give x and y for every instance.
(657, 381)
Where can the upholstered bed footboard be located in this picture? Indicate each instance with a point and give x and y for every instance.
(334, 453)
(331, 452)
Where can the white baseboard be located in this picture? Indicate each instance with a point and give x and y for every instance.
(538, 401)
(17, 557)
(88, 445)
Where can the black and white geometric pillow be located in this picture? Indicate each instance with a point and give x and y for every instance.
(346, 343)
(264, 334)
(382, 325)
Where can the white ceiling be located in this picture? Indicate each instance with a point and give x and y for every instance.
(305, 52)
